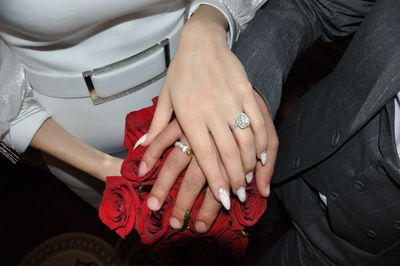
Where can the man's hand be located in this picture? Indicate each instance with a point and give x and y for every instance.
(192, 184)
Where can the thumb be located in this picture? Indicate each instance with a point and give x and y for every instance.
(162, 117)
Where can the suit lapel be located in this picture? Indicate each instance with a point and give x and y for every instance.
(365, 79)
(387, 86)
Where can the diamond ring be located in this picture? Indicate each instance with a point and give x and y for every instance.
(183, 148)
(242, 121)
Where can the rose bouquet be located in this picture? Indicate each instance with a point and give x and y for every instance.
(123, 207)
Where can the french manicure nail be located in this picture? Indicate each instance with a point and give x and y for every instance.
(175, 223)
(224, 197)
(263, 158)
(140, 141)
(142, 168)
(153, 204)
(241, 193)
(249, 177)
(268, 191)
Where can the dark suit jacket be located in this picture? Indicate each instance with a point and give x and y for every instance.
(334, 111)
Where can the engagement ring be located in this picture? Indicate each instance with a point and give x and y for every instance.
(242, 121)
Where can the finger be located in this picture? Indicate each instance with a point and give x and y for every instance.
(160, 143)
(230, 155)
(245, 140)
(208, 212)
(176, 162)
(265, 171)
(162, 115)
(207, 157)
(192, 183)
(257, 125)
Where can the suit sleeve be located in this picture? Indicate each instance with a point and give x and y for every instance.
(283, 29)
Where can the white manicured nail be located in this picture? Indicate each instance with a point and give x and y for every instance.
(268, 191)
(224, 197)
(241, 193)
(140, 141)
(263, 158)
(249, 177)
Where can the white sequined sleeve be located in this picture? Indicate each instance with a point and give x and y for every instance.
(237, 12)
(20, 115)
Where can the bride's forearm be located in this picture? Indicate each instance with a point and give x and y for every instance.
(56, 141)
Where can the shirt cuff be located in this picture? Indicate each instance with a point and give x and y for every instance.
(224, 10)
(25, 126)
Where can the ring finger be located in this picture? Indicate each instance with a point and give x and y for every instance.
(176, 162)
(246, 143)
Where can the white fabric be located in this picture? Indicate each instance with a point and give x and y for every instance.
(66, 37)
(12, 87)
(63, 37)
(237, 12)
(31, 116)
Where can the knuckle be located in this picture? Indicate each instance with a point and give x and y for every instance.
(172, 163)
(246, 143)
(150, 156)
(179, 210)
(259, 125)
(274, 142)
(228, 153)
(250, 165)
(208, 215)
(194, 183)
(159, 190)
(237, 181)
(245, 87)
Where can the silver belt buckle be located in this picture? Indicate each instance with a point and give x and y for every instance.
(87, 75)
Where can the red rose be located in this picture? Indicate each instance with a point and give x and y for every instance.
(249, 212)
(137, 123)
(117, 209)
(233, 242)
(151, 225)
(130, 168)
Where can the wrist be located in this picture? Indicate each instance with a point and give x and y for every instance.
(210, 15)
(107, 165)
(206, 22)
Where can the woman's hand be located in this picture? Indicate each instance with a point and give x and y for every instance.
(207, 88)
(194, 179)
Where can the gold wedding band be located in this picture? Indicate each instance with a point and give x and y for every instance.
(183, 148)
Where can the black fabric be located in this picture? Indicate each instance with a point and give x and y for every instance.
(283, 29)
(339, 140)
(360, 221)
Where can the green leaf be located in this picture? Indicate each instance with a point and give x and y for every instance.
(186, 218)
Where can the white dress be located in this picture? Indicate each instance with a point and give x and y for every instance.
(47, 46)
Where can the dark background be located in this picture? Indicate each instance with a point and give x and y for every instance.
(35, 206)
